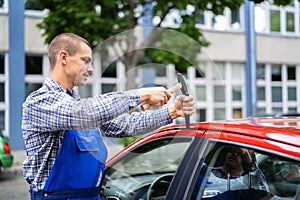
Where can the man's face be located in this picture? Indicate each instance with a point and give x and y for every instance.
(80, 65)
(234, 157)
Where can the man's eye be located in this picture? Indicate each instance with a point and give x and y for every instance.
(237, 154)
(86, 60)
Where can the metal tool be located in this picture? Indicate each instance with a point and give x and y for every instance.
(184, 91)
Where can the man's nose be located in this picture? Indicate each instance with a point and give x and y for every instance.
(90, 69)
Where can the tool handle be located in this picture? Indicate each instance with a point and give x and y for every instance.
(173, 89)
(187, 117)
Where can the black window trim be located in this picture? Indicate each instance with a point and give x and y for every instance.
(180, 185)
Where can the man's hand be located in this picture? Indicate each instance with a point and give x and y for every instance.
(172, 90)
(156, 96)
(246, 155)
(183, 105)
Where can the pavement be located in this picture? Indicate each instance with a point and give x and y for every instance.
(20, 155)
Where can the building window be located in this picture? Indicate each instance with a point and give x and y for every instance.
(32, 5)
(219, 71)
(30, 87)
(261, 71)
(237, 113)
(237, 71)
(200, 70)
(85, 91)
(2, 63)
(236, 93)
(34, 64)
(235, 19)
(291, 73)
(292, 94)
(201, 92)
(110, 71)
(219, 113)
(200, 17)
(261, 93)
(292, 110)
(2, 119)
(276, 110)
(2, 92)
(290, 22)
(219, 93)
(261, 111)
(276, 94)
(276, 72)
(108, 88)
(161, 70)
(201, 115)
(275, 20)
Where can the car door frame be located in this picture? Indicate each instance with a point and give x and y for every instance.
(180, 187)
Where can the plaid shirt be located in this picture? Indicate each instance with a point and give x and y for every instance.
(49, 111)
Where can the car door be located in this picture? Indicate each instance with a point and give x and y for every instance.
(269, 175)
(146, 171)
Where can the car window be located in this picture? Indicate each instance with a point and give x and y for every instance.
(156, 157)
(133, 175)
(236, 172)
(282, 174)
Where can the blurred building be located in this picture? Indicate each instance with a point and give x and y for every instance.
(218, 83)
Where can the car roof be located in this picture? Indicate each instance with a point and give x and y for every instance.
(275, 133)
(259, 126)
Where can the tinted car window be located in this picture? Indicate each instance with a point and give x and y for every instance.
(266, 176)
(133, 175)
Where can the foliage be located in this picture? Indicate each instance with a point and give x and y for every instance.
(127, 140)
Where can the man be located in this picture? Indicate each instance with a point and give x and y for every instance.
(238, 178)
(65, 153)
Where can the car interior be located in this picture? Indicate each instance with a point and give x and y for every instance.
(280, 175)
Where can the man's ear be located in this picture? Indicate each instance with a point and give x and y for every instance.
(62, 56)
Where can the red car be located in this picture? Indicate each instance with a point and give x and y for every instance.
(249, 159)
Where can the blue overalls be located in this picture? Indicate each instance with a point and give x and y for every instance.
(78, 168)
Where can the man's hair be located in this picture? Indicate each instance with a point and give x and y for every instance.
(64, 41)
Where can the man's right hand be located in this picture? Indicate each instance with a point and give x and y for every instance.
(156, 96)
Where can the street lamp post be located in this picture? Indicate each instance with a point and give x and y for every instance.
(250, 70)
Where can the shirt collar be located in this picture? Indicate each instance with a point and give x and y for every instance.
(53, 85)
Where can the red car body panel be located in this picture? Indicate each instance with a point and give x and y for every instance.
(281, 134)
